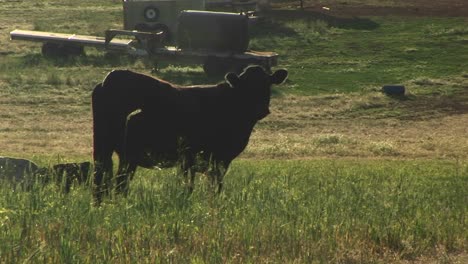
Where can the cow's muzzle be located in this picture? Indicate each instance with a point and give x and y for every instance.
(262, 113)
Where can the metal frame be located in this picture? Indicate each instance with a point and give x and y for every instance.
(147, 44)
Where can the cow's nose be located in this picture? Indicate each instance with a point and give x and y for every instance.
(263, 114)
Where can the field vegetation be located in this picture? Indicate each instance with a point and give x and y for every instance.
(338, 173)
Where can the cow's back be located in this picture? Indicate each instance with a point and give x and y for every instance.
(128, 91)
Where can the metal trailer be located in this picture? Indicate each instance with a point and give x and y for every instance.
(156, 15)
(159, 29)
(147, 44)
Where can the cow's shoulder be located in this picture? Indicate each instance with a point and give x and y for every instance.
(116, 77)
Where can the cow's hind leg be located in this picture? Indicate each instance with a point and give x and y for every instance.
(189, 175)
(131, 152)
(124, 175)
(103, 144)
(102, 177)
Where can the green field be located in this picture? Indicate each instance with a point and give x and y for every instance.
(282, 211)
(338, 173)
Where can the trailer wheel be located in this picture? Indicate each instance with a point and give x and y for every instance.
(61, 50)
(159, 27)
(49, 49)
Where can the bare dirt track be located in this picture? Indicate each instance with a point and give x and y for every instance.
(442, 8)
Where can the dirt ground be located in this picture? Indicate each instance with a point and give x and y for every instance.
(443, 8)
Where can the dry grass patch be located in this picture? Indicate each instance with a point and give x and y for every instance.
(34, 124)
(421, 124)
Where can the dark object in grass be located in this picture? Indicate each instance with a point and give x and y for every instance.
(67, 173)
(25, 173)
(394, 90)
(149, 122)
(50, 49)
(16, 169)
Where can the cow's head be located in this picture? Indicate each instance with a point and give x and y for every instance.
(254, 84)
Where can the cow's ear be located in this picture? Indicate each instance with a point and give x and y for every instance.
(232, 79)
(279, 76)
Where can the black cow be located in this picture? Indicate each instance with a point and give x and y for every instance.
(149, 122)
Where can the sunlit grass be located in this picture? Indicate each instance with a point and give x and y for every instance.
(303, 211)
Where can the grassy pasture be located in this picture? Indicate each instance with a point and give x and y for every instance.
(290, 211)
(337, 173)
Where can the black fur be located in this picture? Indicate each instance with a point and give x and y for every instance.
(149, 122)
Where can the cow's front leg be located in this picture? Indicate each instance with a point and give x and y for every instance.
(189, 173)
(216, 173)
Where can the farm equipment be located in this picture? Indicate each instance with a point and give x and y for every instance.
(165, 31)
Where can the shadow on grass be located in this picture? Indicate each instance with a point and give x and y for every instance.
(339, 22)
(180, 73)
(98, 60)
(411, 107)
(402, 97)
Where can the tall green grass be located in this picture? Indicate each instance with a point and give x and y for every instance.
(270, 211)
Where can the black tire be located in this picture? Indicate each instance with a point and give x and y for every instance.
(394, 90)
(143, 27)
(61, 50)
(159, 27)
(151, 14)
